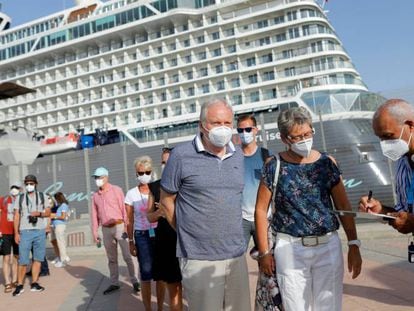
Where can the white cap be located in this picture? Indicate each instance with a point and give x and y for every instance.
(16, 184)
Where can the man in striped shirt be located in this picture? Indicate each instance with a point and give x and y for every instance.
(393, 123)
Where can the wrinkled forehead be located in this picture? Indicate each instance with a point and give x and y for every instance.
(385, 125)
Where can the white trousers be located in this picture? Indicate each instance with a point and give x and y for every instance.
(310, 278)
(61, 241)
(216, 285)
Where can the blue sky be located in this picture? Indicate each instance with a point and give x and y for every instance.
(376, 33)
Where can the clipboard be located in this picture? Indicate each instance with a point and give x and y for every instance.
(365, 215)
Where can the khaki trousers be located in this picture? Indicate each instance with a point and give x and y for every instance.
(111, 238)
(216, 285)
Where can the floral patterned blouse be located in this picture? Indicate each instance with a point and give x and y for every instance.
(303, 196)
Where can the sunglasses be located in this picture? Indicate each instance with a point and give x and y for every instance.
(142, 173)
(246, 129)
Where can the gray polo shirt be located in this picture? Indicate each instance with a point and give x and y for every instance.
(208, 202)
(29, 205)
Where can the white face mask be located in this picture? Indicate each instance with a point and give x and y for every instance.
(14, 192)
(220, 136)
(394, 149)
(144, 179)
(99, 182)
(30, 188)
(246, 138)
(303, 148)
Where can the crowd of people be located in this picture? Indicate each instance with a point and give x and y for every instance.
(190, 230)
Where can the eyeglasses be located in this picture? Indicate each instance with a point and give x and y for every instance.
(302, 137)
(246, 129)
(142, 173)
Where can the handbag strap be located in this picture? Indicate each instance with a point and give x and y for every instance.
(274, 184)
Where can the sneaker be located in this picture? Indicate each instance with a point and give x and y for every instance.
(136, 286)
(18, 291)
(36, 287)
(111, 289)
(67, 259)
(56, 260)
(60, 264)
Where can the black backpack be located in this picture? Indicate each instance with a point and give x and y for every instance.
(265, 154)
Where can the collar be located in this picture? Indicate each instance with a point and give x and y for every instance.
(107, 189)
(230, 149)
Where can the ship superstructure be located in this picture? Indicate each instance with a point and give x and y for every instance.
(150, 64)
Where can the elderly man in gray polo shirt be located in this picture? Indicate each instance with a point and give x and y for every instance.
(201, 192)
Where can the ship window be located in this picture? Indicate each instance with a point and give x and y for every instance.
(270, 94)
(215, 35)
(230, 32)
(233, 66)
(237, 99)
(205, 88)
(235, 82)
(178, 110)
(189, 75)
(203, 72)
(163, 96)
(186, 43)
(187, 59)
(220, 85)
(219, 68)
(253, 78)
(281, 37)
(292, 15)
(200, 39)
(268, 75)
(293, 33)
(190, 91)
(262, 24)
(231, 48)
(251, 61)
(268, 58)
(254, 96)
(202, 55)
(217, 52)
(164, 113)
(176, 94)
(193, 108)
(264, 41)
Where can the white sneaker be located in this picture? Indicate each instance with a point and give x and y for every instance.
(67, 259)
(60, 264)
(56, 260)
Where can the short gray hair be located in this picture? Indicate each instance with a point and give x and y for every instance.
(212, 102)
(145, 161)
(290, 117)
(398, 109)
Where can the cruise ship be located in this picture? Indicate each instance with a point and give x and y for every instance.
(132, 74)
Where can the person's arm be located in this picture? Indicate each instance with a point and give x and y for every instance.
(155, 211)
(94, 220)
(16, 226)
(264, 196)
(373, 206)
(130, 229)
(121, 204)
(168, 206)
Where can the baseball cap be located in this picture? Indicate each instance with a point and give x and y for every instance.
(31, 178)
(100, 171)
(15, 184)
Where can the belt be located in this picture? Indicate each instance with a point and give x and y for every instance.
(117, 222)
(307, 241)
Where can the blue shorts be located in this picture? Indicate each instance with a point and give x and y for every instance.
(145, 250)
(32, 239)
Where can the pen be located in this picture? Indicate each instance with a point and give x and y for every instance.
(369, 196)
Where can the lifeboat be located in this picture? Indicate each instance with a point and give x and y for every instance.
(59, 144)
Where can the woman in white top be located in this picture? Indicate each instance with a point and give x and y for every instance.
(142, 231)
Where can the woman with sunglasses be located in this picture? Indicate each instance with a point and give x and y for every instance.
(142, 231)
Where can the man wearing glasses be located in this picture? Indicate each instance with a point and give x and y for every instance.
(254, 157)
(30, 221)
(108, 210)
(201, 189)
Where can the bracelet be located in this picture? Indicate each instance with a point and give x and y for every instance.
(354, 242)
(267, 252)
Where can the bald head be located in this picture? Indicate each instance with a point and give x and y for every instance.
(395, 120)
(397, 109)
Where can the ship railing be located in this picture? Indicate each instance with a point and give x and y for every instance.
(329, 80)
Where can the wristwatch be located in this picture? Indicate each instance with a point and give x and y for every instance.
(354, 242)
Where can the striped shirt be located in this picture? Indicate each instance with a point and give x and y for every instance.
(403, 179)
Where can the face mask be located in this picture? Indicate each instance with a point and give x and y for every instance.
(246, 138)
(303, 148)
(144, 179)
(220, 136)
(30, 188)
(99, 182)
(14, 192)
(394, 149)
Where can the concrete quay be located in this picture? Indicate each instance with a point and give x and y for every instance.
(386, 281)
